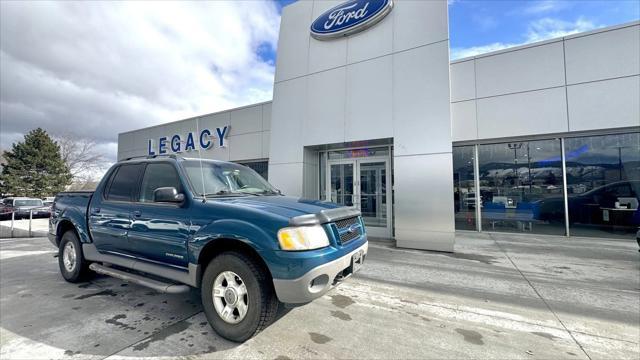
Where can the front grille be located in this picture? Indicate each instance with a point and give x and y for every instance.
(345, 223)
(348, 236)
(342, 227)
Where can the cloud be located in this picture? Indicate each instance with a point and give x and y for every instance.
(548, 28)
(538, 30)
(545, 6)
(100, 68)
(461, 53)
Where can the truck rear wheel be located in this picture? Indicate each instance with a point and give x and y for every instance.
(237, 296)
(73, 267)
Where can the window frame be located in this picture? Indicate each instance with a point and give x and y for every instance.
(112, 176)
(181, 188)
(564, 138)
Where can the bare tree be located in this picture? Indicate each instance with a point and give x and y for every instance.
(79, 154)
(88, 183)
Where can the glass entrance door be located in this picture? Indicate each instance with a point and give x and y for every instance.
(373, 193)
(341, 183)
(362, 183)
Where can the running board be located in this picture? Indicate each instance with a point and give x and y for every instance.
(140, 280)
(189, 277)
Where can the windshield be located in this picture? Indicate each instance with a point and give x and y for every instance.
(225, 178)
(28, 202)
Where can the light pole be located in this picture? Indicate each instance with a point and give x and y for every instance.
(515, 147)
(529, 167)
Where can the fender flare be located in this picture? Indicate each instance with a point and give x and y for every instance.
(260, 241)
(77, 220)
(249, 234)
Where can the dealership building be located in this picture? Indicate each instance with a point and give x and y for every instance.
(368, 111)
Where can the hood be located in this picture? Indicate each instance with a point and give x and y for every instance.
(284, 206)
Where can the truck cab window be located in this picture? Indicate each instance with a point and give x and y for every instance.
(157, 176)
(124, 182)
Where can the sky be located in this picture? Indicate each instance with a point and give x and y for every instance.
(477, 27)
(95, 69)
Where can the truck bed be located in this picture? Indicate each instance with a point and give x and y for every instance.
(72, 206)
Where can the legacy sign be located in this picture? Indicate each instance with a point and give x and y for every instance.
(205, 139)
(349, 18)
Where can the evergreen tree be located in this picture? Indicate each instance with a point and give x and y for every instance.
(34, 167)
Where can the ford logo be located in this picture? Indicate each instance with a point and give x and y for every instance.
(349, 18)
(353, 228)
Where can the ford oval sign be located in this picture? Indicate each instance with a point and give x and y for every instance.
(349, 18)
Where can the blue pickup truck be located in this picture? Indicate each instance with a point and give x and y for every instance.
(171, 223)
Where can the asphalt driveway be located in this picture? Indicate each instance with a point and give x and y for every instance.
(498, 296)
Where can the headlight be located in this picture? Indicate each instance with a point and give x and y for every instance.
(302, 238)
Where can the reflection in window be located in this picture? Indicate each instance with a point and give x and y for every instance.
(342, 184)
(603, 185)
(261, 167)
(158, 175)
(521, 187)
(323, 176)
(464, 195)
(358, 153)
(373, 193)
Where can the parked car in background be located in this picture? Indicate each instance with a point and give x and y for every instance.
(48, 203)
(5, 211)
(22, 206)
(614, 203)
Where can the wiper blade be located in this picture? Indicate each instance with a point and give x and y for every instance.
(222, 193)
(227, 192)
(248, 193)
(269, 192)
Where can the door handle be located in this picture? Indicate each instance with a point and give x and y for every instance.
(137, 214)
(96, 211)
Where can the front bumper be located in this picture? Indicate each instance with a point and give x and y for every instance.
(317, 281)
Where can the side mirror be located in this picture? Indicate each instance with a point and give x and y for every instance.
(167, 194)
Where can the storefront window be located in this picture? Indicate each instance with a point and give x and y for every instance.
(603, 185)
(521, 187)
(464, 193)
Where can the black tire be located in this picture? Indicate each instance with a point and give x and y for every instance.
(80, 272)
(262, 303)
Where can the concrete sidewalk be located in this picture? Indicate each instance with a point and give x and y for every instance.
(498, 296)
(39, 227)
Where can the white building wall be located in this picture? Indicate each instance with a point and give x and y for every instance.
(389, 81)
(248, 134)
(587, 81)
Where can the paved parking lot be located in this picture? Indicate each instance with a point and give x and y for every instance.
(499, 296)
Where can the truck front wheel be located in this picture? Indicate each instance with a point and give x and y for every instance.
(73, 267)
(237, 296)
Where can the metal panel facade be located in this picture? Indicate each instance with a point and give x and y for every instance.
(248, 137)
(392, 82)
(522, 91)
(398, 91)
